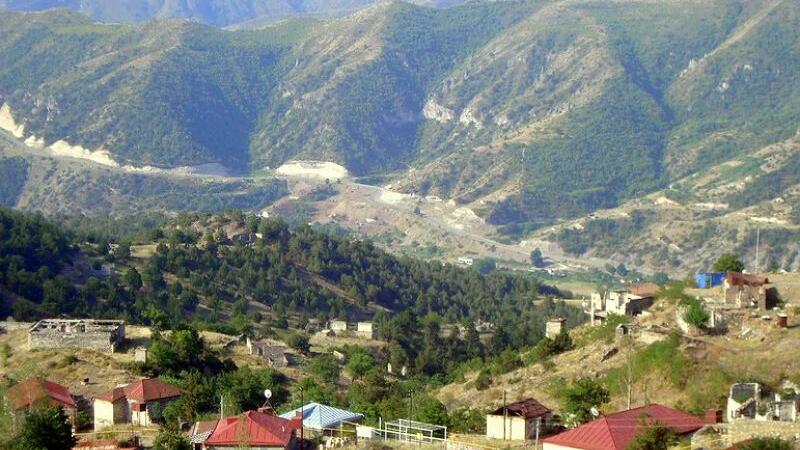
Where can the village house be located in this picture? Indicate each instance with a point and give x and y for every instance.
(274, 355)
(519, 421)
(631, 301)
(749, 291)
(337, 326)
(616, 431)
(364, 330)
(752, 401)
(39, 392)
(140, 403)
(257, 430)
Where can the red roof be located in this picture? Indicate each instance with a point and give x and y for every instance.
(252, 428)
(142, 391)
(35, 390)
(744, 279)
(528, 409)
(616, 431)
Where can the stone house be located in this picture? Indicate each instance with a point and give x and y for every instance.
(749, 291)
(620, 302)
(519, 421)
(101, 335)
(274, 355)
(140, 403)
(36, 392)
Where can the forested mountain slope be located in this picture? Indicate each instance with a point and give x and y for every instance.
(529, 111)
(213, 12)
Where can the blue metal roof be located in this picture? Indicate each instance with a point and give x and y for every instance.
(317, 416)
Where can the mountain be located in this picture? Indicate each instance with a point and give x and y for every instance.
(221, 13)
(531, 113)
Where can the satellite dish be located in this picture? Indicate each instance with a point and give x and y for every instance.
(594, 412)
(267, 394)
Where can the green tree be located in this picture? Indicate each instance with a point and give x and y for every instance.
(484, 380)
(171, 439)
(324, 368)
(132, 279)
(728, 261)
(653, 436)
(45, 429)
(430, 410)
(298, 342)
(581, 396)
(695, 313)
(536, 258)
(359, 363)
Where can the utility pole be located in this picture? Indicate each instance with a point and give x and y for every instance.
(302, 414)
(758, 239)
(538, 425)
(505, 414)
(221, 407)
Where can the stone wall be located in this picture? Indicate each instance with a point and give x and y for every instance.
(101, 341)
(724, 435)
(74, 334)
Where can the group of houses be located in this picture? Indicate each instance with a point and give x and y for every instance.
(142, 403)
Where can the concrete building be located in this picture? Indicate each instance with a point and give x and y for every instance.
(140, 403)
(519, 421)
(101, 335)
(554, 327)
(364, 330)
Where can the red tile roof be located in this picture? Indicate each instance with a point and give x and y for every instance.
(528, 409)
(142, 391)
(252, 428)
(616, 431)
(35, 390)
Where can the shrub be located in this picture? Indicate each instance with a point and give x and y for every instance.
(484, 380)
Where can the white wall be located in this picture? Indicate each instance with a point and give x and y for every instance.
(515, 427)
(548, 446)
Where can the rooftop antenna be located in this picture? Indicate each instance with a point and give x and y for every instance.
(758, 241)
(267, 395)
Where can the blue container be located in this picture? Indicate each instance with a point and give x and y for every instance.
(709, 279)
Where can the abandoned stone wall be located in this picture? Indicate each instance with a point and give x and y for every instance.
(11, 325)
(740, 430)
(103, 341)
(724, 435)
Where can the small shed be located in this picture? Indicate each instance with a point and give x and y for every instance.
(519, 421)
(708, 280)
(317, 416)
(554, 327)
(337, 326)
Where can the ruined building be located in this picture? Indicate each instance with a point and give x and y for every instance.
(100, 335)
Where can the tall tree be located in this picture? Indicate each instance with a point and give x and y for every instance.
(45, 429)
